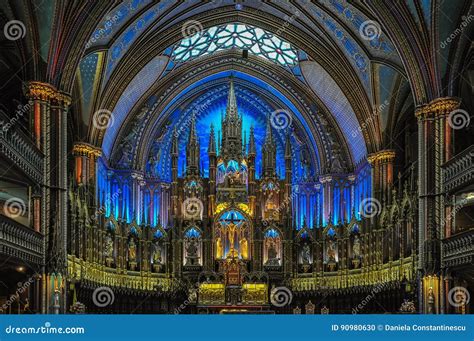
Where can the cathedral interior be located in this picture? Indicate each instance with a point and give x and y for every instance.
(236, 157)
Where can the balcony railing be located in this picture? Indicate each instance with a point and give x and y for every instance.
(21, 242)
(17, 147)
(458, 250)
(459, 171)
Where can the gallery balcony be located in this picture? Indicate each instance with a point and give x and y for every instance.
(20, 242)
(17, 148)
(458, 172)
(458, 249)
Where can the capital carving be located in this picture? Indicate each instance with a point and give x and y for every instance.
(387, 155)
(40, 91)
(46, 92)
(85, 149)
(439, 106)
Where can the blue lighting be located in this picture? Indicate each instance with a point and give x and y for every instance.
(272, 233)
(192, 233)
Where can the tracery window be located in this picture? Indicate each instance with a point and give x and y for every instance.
(255, 40)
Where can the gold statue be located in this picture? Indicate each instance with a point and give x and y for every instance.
(231, 230)
(231, 234)
(157, 254)
(244, 248)
(219, 248)
(132, 251)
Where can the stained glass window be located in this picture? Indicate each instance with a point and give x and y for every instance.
(272, 233)
(192, 233)
(255, 40)
(232, 216)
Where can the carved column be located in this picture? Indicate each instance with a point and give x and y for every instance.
(85, 156)
(39, 95)
(434, 149)
(382, 167)
(36, 200)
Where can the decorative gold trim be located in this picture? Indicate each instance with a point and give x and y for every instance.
(45, 92)
(64, 98)
(439, 106)
(390, 272)
(103, 275)
(382, 155)
(86, 149)
(40, 91)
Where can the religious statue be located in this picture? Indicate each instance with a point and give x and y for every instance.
(431, 301)
(306, 254)
(192, 253)
(219, 248)
(109, 246)
(356, 247)
(157, 259)
(331, 251)
(305, 167)
(244, 248)
(336, 166)
(132, 250)
(234, 178)
(231, 231)
(272, 254)
(56, 301)
(153, 166)
(125, 158)
(269, 203)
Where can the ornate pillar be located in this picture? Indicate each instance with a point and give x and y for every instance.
(36, 199)
(318, 253)
(288, 257)
(382, 167)
(49, 126)
(39, 95)
(85, 158)
(434, 149)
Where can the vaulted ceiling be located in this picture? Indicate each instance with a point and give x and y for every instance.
(347, 73)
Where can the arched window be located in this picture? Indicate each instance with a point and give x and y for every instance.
(255, 40)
